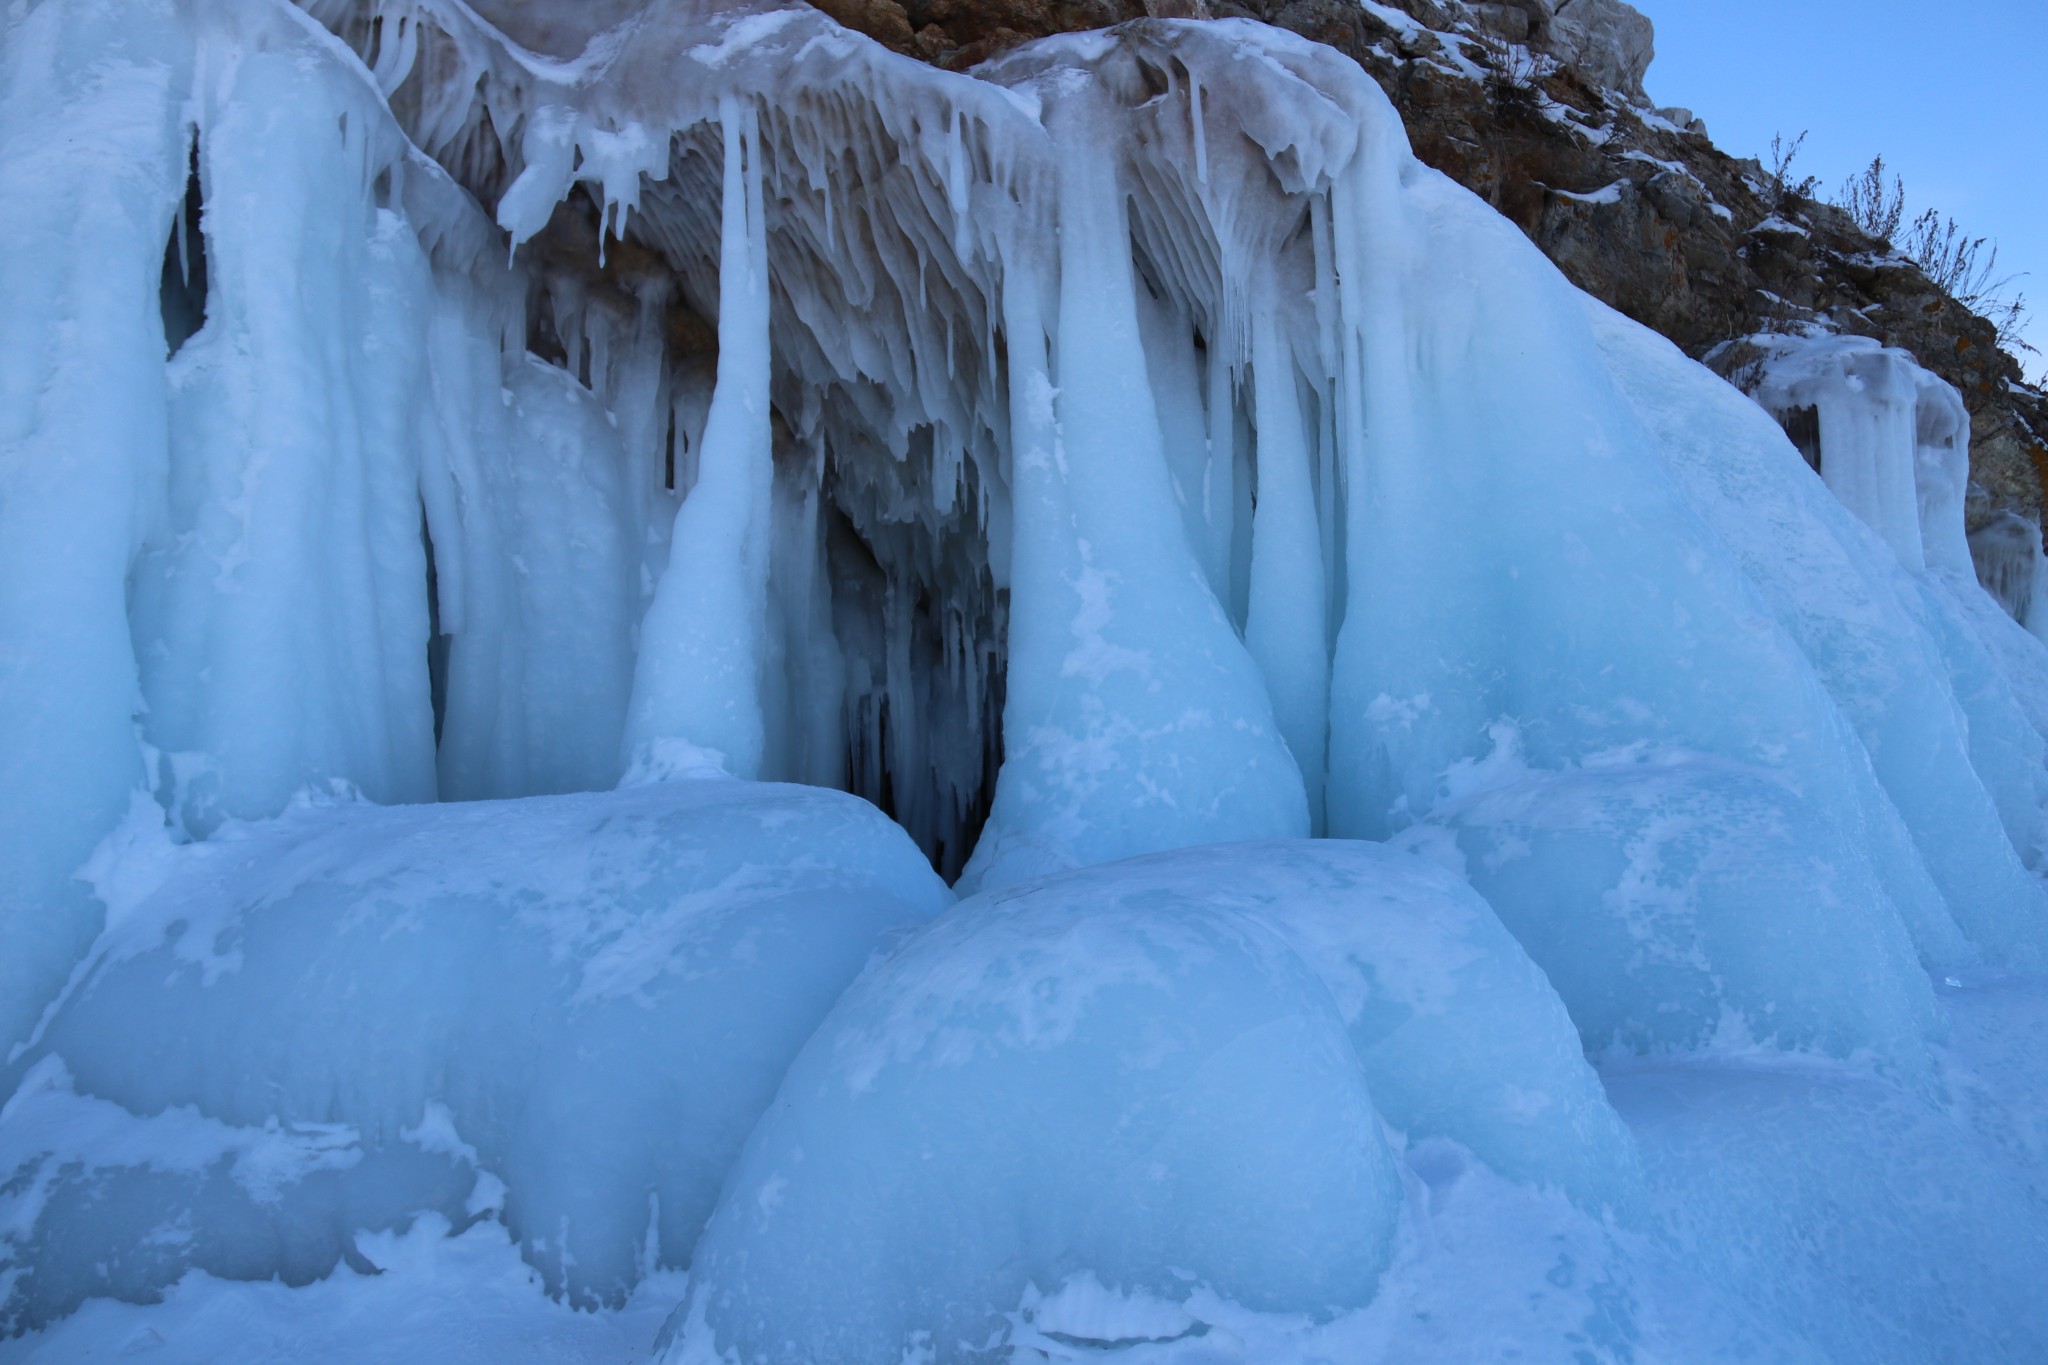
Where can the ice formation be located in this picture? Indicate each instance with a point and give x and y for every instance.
(1156, 1074)
(1118, 464)
(1874, 405)
(2011, 564)
(566, 1011)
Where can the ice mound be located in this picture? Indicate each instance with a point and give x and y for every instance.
(1156, 1076)
(569, 1010)
(1848, 1213)
(1677, 902)
(1459, 1034)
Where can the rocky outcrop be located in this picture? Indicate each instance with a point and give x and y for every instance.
(1538, 107)
(1604, 40)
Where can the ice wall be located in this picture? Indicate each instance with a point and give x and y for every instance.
(217, 577)
(1089, 448)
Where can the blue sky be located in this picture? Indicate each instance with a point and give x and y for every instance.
(1954, 93)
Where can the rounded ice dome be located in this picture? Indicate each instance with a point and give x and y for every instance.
(563, 1011)
(1678, 901)
(1108, 1090)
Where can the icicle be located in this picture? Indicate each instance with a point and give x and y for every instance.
(699, 673)
(395, 59)
(956, 184)
(1377, 447)
(1136, 721)
(182, 226)
(1285, 625)
(1219, 487)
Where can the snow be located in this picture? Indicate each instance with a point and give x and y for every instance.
(1783, 227)
(420, 603)
(1400, 21)
(427, 1293)
(1606, 194)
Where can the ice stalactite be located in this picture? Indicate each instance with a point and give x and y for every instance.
(1286, 626)
(2007, 555)
(1380, 446)
(1136, 721)
(699, 676)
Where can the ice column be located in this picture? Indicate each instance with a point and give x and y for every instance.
(1135, 719)
(1378, 440)
(1868, 399)
(82, 442)
(538, 565)
(280, 620)
(1941, 474)
(1285, 629)
(699, 673)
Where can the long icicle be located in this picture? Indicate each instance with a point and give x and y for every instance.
(698, 678)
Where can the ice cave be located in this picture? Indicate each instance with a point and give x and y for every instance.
(673, 688)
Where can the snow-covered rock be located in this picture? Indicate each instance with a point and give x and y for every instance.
(1613, 43)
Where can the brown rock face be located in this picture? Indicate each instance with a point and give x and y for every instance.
(1636, 206)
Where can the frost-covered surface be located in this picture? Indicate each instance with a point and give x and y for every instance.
(426, 1294)
(1117, 463)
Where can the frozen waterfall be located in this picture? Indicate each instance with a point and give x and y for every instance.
(471, 473)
